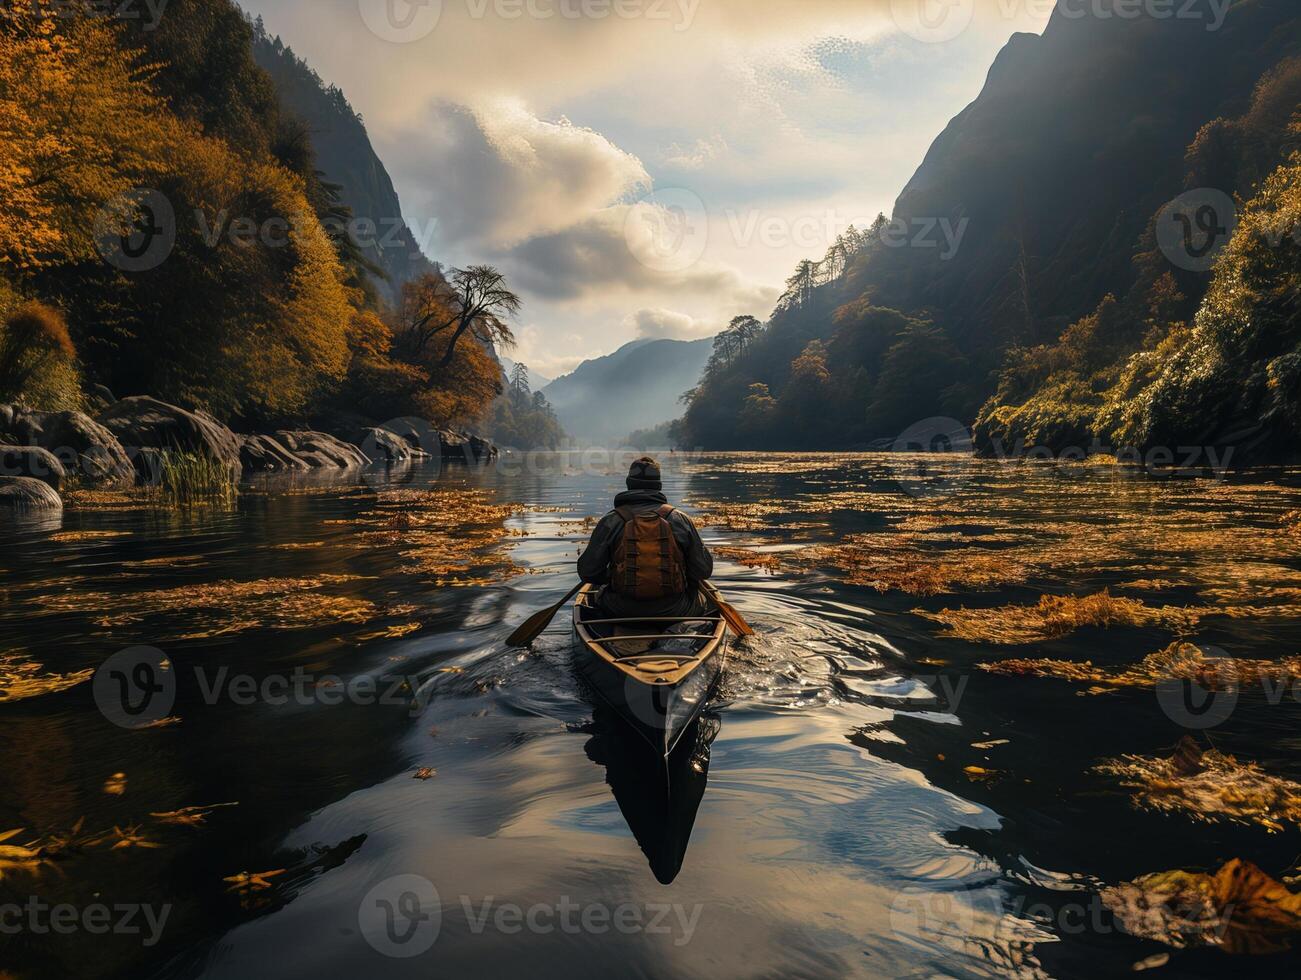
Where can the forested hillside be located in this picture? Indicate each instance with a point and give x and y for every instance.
(1036, 204)
(169, 232)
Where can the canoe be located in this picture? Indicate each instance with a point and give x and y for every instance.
(657, 673)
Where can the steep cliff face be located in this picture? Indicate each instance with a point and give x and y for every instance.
(1076, 141)
(1037, 201)
(345, 156)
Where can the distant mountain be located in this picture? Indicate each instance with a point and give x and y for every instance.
(345, 155)
(637, 387)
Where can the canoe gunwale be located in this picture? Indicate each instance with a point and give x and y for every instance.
(688, 663)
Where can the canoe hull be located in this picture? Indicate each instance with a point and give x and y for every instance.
(658, 708)
(659, 713)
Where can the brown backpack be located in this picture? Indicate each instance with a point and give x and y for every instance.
(648, 562)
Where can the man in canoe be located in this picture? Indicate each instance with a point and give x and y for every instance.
(647, 553)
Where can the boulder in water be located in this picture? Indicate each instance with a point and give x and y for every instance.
(88, 451)
(320, 450)
(264, 454)
(141, 422)
(25, 494)
(34, 462)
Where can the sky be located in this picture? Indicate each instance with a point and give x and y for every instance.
(646, 168)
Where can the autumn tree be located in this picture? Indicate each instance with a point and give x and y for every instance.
(440, 311)
(79, 126)
(34, 347)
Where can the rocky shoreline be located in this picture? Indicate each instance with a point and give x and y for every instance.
(42, 453)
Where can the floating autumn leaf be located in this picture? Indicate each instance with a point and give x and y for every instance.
(166, 561)
(1056, 616)
(127, 837)
(1179, 661)
(71, 537)
(768, 561)
(1239, 909)
(1209, 786)
(425, 773)
(21, 678)
(389, 632)
(167, 722)
(73, 840)
(252, 881)
(992, 744)
(16, 851)
(979, 774)
(1153, 962)
(220, 608)
(19, 857)
(115, 785)
(189, 816)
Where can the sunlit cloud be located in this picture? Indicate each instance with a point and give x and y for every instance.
(523, 140)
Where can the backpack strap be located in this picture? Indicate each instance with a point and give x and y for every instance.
(667, 544)
(630, 551)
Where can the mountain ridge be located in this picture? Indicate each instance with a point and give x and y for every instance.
(606, 397)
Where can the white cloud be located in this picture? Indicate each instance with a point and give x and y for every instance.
(496, 175)
(695, 156)
(784, 110)
(658, 323)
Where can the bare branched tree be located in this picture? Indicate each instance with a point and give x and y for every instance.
(473, 300)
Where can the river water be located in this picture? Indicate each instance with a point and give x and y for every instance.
(344, 772)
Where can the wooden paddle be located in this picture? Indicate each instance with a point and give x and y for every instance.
(535, 624)
(730, 615)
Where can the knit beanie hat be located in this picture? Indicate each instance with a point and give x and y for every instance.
(644, 474)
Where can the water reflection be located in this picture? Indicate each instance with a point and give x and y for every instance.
(878, 802)
(658, 797)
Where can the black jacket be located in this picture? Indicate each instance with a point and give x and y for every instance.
(594, 562)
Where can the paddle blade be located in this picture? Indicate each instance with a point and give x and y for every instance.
(734, 619)
(729, 613)
(533, 626)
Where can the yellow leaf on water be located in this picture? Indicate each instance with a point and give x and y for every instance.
(1239, 909)
(252, 880)
(189, 816)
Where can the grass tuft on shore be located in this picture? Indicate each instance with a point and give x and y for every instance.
(186, 479)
